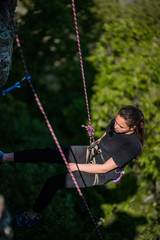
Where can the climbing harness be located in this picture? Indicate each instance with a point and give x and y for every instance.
(92, 151)
(50, 127)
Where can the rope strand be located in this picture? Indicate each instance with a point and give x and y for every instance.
(90, 126)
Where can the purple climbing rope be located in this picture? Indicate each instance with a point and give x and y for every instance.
(50, 127)
(90, 127)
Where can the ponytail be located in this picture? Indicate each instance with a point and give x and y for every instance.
(135, 117)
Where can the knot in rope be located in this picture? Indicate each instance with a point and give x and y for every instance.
(90, 130)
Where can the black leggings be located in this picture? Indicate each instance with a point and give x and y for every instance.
(73, 154)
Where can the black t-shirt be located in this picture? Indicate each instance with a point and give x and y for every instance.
(120, 146)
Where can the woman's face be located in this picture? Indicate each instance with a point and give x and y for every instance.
(121, 126)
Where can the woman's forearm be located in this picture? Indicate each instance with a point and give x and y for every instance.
(89, 168)
(93, 167)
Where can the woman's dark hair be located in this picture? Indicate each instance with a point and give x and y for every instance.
(134, 117)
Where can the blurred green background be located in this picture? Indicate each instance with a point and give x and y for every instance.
(120, 43)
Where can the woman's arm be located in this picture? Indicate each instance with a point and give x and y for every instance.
(94, 168)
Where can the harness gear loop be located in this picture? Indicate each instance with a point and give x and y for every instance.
(121, 174)
(92, 151)
(90, 158)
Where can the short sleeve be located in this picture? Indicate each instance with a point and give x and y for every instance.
(125, 155)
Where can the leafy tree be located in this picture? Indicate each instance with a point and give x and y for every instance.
(47, 34)
(127, 64)
(126, 59)
(122, 69)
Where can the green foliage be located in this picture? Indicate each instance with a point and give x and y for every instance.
(47, 33)
(18, 129)
(127, 67)
(126, 59)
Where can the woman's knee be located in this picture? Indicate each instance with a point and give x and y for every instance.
(54, 183)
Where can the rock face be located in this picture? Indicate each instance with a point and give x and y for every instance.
(6, 38)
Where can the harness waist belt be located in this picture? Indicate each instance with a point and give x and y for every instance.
(92, 151)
